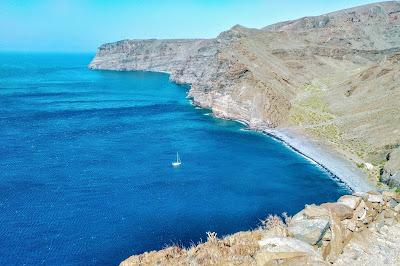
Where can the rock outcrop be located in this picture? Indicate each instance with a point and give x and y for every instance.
(359, 229)
(390, 173)
(334, 77)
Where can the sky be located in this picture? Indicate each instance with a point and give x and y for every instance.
(83, 25)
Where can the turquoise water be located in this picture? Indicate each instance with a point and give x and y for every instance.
(85, 165)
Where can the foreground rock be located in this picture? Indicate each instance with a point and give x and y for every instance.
(309, 229)
(334, 78)
(291, 250)
(373, 247)
(364, 231)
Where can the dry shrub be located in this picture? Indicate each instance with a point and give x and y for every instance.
(286, 218)
(212, 237)
(271, 222)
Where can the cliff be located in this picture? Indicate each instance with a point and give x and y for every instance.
(332, 78)
(359, 229)
(329, 82)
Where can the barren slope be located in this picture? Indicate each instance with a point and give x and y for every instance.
(333, 77)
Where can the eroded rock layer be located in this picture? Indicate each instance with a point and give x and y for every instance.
(335, 77)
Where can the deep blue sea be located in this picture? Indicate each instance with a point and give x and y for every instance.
(85, 165)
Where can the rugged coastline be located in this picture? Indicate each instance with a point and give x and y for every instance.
(328, 87)
(331, 79)
(335, 164)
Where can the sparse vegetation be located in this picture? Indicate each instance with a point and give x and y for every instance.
(286, 218)
(271, 222)
(212, 237)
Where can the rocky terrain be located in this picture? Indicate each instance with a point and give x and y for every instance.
(324, 83)
(333, 79)
(359, 229)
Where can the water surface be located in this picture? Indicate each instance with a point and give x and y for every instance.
(85, 165)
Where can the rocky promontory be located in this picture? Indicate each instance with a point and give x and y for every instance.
(358, 229)
(331, 79)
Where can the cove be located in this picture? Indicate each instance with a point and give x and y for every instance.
(85, 165)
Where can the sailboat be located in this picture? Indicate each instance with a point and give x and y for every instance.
(178, 162)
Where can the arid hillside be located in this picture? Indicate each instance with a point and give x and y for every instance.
(334, 78)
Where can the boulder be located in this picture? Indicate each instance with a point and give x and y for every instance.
(313, 211)
(350, 201)
(392, 203)
(338, 240)
(309, 230)
(287, 250)
(375, 198)
(285, 244)
(340, 210)
(389, 195)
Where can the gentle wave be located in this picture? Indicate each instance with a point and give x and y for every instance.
(146, 110)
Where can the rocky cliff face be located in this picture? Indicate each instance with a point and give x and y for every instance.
(335, 77)
(359, 229)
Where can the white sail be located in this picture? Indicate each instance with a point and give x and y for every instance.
(177, 162)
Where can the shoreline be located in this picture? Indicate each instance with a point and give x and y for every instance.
(336, 165)
(340, 168)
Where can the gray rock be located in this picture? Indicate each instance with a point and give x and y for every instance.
(309, 230)
(375, 198)
(392, 203)
(287, 249)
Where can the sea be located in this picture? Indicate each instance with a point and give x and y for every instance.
(85, 165)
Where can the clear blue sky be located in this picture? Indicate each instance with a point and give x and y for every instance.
(82, 25)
